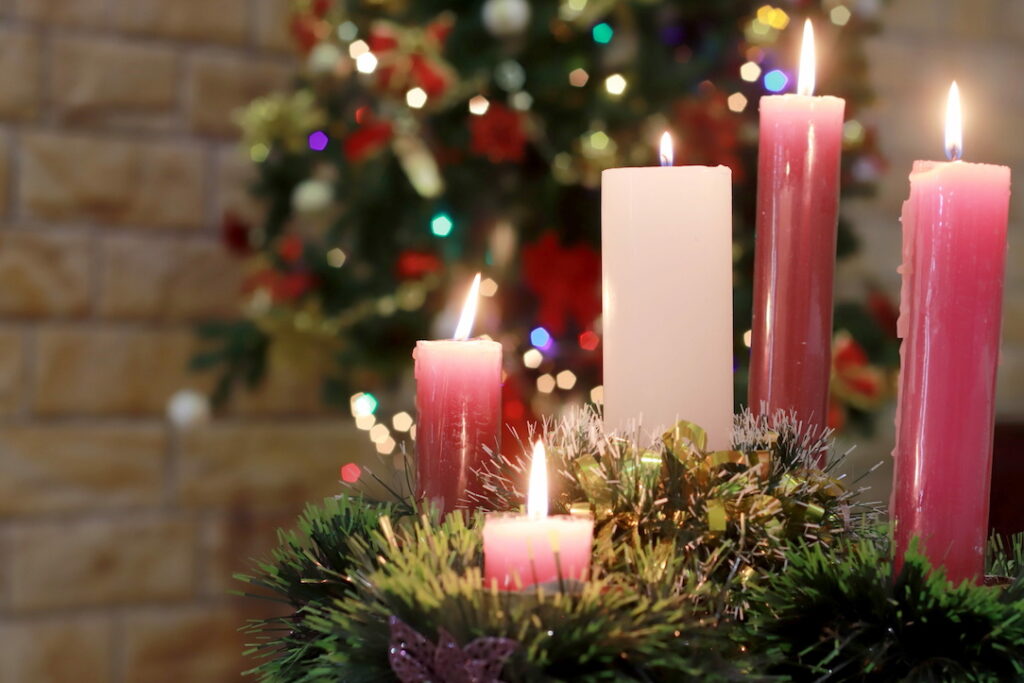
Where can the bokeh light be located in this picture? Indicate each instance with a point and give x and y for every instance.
(416, 98)
(441, 225)
(615, 84)
(603, 33)
(578, 78)
(402, 422)
(363, 404)
(318, 141)
(350, 473)
(750, 72)
(546, 384)
(776, 80)
(533, 358)
(540, 338)
(589, 340)
(566, 380)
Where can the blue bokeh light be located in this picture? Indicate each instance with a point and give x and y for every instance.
(540, 338)
(776, 80)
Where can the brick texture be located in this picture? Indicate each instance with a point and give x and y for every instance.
(224, 21)
(218, 86)
(20, 64)
(44, 274)
(79, 649)
(183, 645)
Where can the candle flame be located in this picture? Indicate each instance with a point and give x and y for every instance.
(537, 493)
(954, 124)
(468, 310)
(667, 149)
(805, 80)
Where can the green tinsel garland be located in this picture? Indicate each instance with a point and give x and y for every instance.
(753, 564)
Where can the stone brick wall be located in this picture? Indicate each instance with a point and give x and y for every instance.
(118, 533)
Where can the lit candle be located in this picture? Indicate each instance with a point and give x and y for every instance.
(954, 254)
(794, 264)
(458, 394)
(667, 279)
(523, 550)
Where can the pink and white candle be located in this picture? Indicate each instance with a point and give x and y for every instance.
(954, 254)
(666, 251)
(524, 550)
(794, 261)
(458, 398)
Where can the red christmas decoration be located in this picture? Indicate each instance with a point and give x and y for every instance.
(289, 248)
(566, 280)
(283, 287)
(234, 233)
(855, 380)
(499, 134)
(884, 311)
(413, 264)
(367, 140)
(409, 57)
(350, 473)
(709, 133)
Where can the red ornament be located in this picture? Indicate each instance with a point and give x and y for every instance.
(499, 134)
(854, 379)
(413, 264)
(883, 311)
(290, 249)
(412, 57)
(367, 140)
(234, 233)
(283, 287)
(516, 416)
(566, 280)
(710, 132)
(589, 340)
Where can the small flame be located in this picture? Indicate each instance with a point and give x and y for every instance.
(805, 80)
(954, 125)
(667, 149)
(537, 494)
(468, 310)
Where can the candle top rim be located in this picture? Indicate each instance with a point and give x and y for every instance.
(798, 96)
(925, 166)
(694, 167)
(522, 516)
(458, 341)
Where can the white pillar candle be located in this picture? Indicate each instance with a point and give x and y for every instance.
(667, 278)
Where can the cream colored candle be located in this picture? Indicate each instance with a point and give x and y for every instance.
(667, 279)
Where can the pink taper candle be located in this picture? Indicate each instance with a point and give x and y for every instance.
(458, 397)
(523, 550)
(797, 211)
(954, 253)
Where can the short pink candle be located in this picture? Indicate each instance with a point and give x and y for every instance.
(524, 550)
(797, 213)
(458, 398)
(954, 254)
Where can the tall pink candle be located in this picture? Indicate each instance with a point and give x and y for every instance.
(458, 398)
(523, 550)
(954, 254)
(797, 212)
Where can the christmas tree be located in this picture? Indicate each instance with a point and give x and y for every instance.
(425, 141)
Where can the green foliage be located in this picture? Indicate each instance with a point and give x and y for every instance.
(839, 615)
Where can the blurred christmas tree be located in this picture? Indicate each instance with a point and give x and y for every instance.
(429, 140)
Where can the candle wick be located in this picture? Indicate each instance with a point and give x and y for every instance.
(954, 152)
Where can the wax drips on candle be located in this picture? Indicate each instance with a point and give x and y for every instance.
(954, 125)
(465, 325)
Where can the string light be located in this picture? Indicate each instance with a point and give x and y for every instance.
(350, 473)
(566, 380)
(597, 395)
(840, 15)
(336, 258)
(387, 446)
(776, 80)
(615, 84)
(441, 225)
(540, 338)
(546, 384)
(736, 102)
(358, 48)
(347, 31)
(379, 432)
(402, 422)
(365, 422)
(603, 33)
(750, 72)
(589, 340)
(748, 337)
(318, 141)
(366, 63)
(773, 17)
(522, 101)
(578, 78)
(479, 105)
(416, 98)
(533, 358)
(853, 133)
(259, 153)
(488, 287)
(363, 404)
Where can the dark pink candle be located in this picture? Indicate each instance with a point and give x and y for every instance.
(797, 210)
(954, 254)
(458, 397)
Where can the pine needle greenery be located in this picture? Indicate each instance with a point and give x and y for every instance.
(748, 564)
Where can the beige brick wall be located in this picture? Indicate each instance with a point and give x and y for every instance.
(119, 534)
